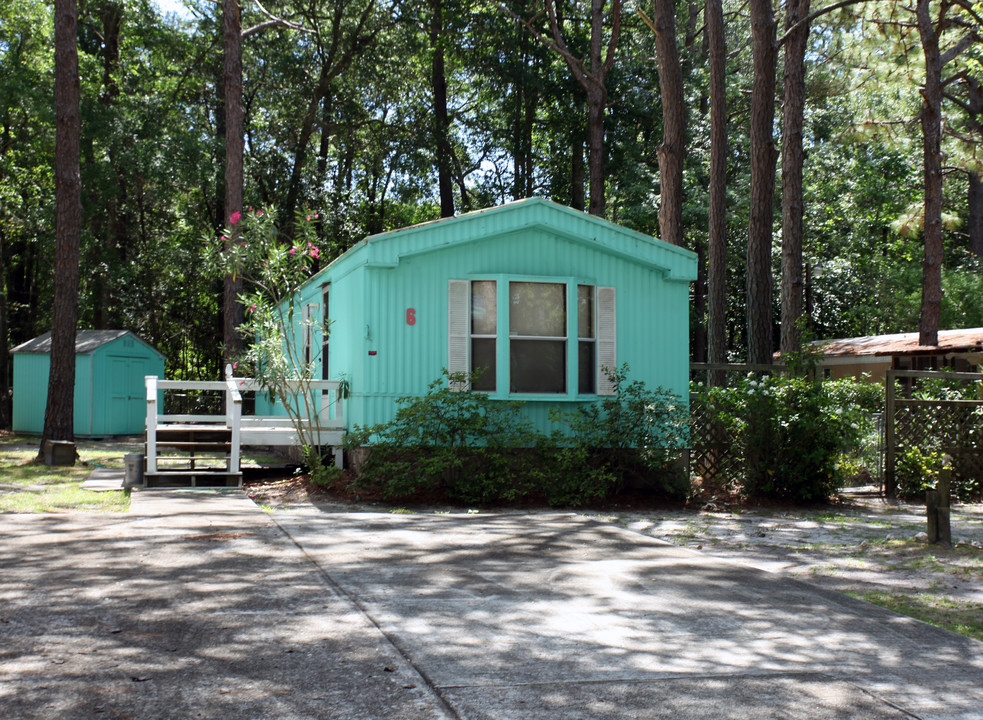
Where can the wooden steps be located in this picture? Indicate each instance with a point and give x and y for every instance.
(193, 455)
(193, 450)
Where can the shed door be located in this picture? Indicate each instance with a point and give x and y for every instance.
(127, 402)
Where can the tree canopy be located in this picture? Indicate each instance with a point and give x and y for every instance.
(376, 114)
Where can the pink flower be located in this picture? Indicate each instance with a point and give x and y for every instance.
(259, 213)
(244, 244)
(315, 216)
(315, 253)
(308, 218)
(293, 251)
(252, 308)
(225, 238)
(235, 364)
(234, 218)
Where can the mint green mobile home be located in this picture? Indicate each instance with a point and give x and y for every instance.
(110, 394)
(541, 296)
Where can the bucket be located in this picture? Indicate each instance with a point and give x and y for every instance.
(134, 470)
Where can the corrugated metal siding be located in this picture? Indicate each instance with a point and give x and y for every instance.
(374, 284)
(653, 315)
(387, 249)
(89, 398)
(30, 392)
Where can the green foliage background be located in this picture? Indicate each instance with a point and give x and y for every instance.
(153, 138)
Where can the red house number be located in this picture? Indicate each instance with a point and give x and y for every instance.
(410, 316)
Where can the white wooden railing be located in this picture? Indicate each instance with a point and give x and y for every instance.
(326, 428)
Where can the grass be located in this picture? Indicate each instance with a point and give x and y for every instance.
(29, 487)
(963, 617)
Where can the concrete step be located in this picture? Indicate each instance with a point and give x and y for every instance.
(192, 479)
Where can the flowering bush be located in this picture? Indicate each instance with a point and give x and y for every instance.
(272, 272)
(791, 431)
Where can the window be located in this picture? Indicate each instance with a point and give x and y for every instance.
(586, 350)
(308, 315)
(325, 370)
(537, 337)
(532, 337)
(484, 323)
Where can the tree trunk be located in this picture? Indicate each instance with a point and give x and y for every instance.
(673, 145)
(441, 117)
(592, 80)
(232, 310)
(596, 101)
(974, 106)
(528, 124)
(525, 97)
(975, 215)
(761, 211)
(699, 353)
(307, 126)
(5, 418)
(931, 121)
(717, 235)
(793, 158)
(59, 415)
(578, 198)
(115, 230)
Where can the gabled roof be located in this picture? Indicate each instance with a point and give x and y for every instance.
(388, 248)
(86, 342)
(965, 340)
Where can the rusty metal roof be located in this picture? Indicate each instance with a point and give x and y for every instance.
(967, 340)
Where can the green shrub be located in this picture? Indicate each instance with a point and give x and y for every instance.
(791, 431)
(468, 447)
(917, 470)
(447, 443)
(634, 437)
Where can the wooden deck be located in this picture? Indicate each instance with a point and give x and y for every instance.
(205, 450)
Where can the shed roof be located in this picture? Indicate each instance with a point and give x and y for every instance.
(387, 248)
(86, 342)
(963, 340)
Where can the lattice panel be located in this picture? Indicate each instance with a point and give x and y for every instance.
(715, 455)
(954, 428)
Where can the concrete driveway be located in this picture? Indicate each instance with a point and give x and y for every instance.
(200, 605)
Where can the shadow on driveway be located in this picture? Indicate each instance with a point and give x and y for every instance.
(200, 605)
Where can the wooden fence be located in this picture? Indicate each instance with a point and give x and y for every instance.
(946, 426)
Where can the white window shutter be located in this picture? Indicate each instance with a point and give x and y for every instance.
(607, 339)
(458, 328)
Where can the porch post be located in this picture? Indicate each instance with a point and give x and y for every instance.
(151, 383)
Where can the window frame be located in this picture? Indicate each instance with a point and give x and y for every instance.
(325, 331)
(503, 337)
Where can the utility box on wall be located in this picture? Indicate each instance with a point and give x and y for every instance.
(110, 393)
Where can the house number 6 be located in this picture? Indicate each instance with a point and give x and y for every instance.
(410, 316)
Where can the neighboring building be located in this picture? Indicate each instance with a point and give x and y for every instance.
(110, 394)
(541, 296)
(959, 350)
